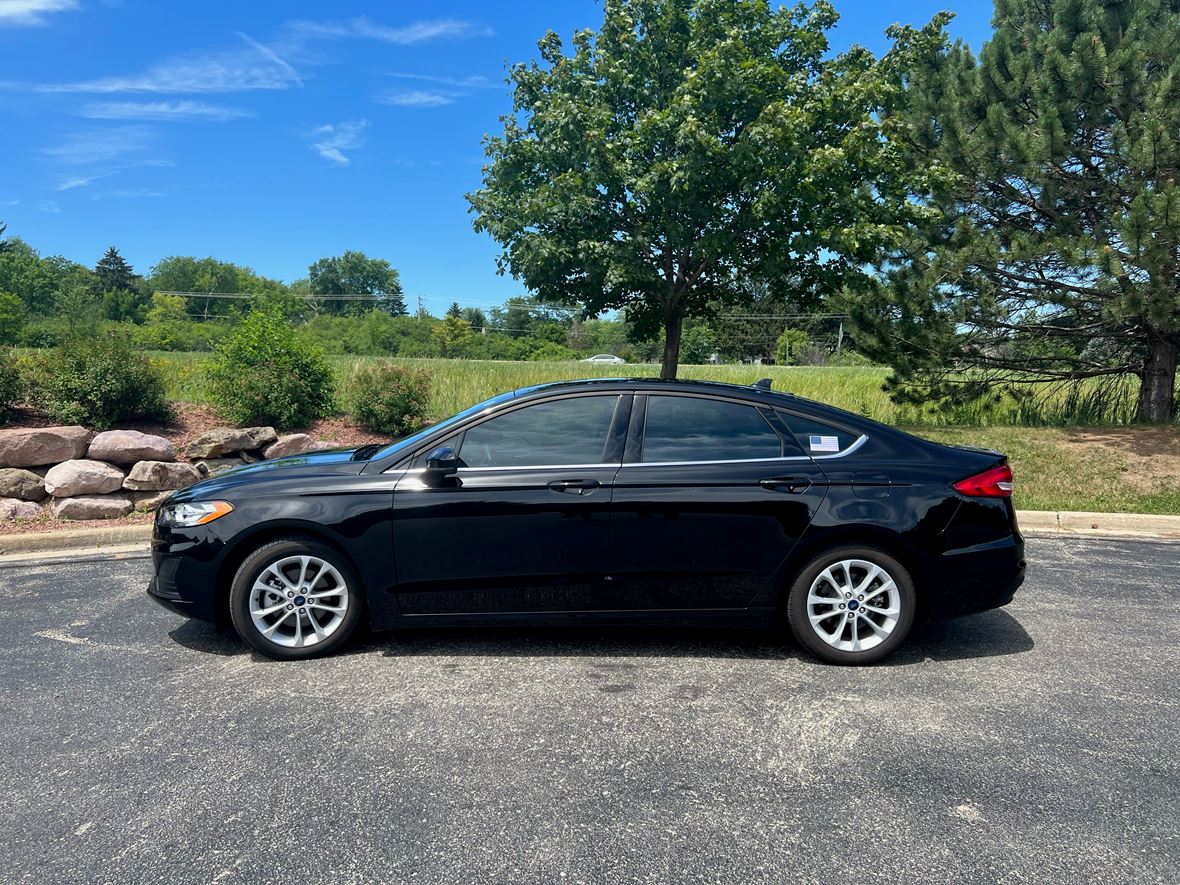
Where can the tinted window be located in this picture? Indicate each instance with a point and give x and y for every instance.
(817, 438)
(565, 431)
(680, 428)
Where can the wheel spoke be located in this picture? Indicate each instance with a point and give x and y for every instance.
(298, 631)
(885, 612)
(323, 570)
(855, 633)
(269, 631)
(880, 631)
(274, 570)
(319, 633)
(335, 609)
(868, 581)
(263, 612)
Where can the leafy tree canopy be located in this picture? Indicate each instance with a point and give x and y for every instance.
(355, 273)
(689, 145)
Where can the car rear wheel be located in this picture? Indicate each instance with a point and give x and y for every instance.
(851, 605)
(295, 598)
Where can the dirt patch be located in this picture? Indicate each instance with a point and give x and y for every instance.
(1150, 455)
(46, 523)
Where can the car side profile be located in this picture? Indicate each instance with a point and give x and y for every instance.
(604, 359)
(609, 501)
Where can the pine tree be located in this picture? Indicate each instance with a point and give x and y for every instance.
(454, 310)
(1056, 256)
(113, 273)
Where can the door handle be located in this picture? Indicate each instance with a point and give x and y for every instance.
(575, 486)
(792, 484)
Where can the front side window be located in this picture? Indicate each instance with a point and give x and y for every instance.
(681, 428)
(560, 432)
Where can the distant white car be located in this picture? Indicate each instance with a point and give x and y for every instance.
(609, 358)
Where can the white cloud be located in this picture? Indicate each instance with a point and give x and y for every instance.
(417, 98)
(49, 206)
(416, 32)
(254, 66)
(332, 140)
(31, 12)
(454, 82)
(99, 145)
(68, 184)
(10, 203)
(162, 110)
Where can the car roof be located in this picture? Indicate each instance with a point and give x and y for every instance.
(752, 393)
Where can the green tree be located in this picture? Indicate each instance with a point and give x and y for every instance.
(1053, 251)
(790, 346)
(476, 317)
(355, 273)
(452, 336)
(12, 317)
(113, 273)
(696, 343)
(454, 310)
(184, 273)
(691, 144)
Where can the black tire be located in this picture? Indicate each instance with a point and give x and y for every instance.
(273, 552)
(805, 633)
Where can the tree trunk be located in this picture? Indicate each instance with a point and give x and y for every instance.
(673, 324)
(1158, 379)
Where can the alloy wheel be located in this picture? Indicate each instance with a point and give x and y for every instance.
(853, 605)
(298, 601)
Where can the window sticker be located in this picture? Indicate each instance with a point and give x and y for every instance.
(825, 444)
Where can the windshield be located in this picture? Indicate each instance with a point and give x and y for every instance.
(408, 442)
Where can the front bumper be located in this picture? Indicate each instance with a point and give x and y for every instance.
(186, 565)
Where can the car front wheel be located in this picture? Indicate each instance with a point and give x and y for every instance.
(852, 605)
(295, 598)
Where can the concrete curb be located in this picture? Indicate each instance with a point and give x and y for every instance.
(75, 540)
(1110, 525)
(1045, 523)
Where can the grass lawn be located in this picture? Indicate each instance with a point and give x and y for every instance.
(1115, 469)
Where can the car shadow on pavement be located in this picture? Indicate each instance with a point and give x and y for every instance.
(990, 634)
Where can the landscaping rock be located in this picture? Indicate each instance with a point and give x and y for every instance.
(32, 446)
(228, 440)
(11, 508)
(213, 466)
(92, 507)
(129, 446)
(292, 444)
(22, 484)
(83, 477)
(149, 500)
(155, 476)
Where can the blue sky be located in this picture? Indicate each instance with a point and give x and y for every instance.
(273, 134)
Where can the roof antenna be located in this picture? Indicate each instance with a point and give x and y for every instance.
(762, 384)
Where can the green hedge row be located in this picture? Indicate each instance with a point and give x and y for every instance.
(263, 372)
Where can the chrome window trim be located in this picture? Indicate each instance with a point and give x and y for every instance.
(861, 440)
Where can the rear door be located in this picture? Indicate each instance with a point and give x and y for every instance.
(712, 496)
(523, 526)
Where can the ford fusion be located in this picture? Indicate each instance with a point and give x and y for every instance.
(626, 501)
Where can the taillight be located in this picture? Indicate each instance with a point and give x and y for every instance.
(996, 482)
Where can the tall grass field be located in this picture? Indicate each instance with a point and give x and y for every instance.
(457, 384)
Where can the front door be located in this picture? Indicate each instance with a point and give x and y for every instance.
(523, 526)
(710, 501)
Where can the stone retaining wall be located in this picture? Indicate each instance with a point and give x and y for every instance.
(73, 473)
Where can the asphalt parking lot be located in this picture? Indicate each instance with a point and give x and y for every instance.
(1033, 744)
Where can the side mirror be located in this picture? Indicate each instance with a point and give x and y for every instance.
(440, 464)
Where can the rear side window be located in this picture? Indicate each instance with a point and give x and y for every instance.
(816, 438)
(681, 428)
(564, 431)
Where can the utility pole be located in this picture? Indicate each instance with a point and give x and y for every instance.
(839, 339)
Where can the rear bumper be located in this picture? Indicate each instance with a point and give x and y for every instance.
(975, 579)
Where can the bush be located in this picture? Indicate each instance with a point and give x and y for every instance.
(263, 372)
(97, 381)
(388, 399)
(11, 386)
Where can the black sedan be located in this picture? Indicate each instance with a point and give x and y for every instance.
(622, 501)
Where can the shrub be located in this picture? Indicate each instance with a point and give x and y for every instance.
(97, 381)
(388, 399)
(790, 346)
(263, 372)
(11, 386)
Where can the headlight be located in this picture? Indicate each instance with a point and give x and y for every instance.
(188, 515)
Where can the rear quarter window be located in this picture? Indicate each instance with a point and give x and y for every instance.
(817, 438)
